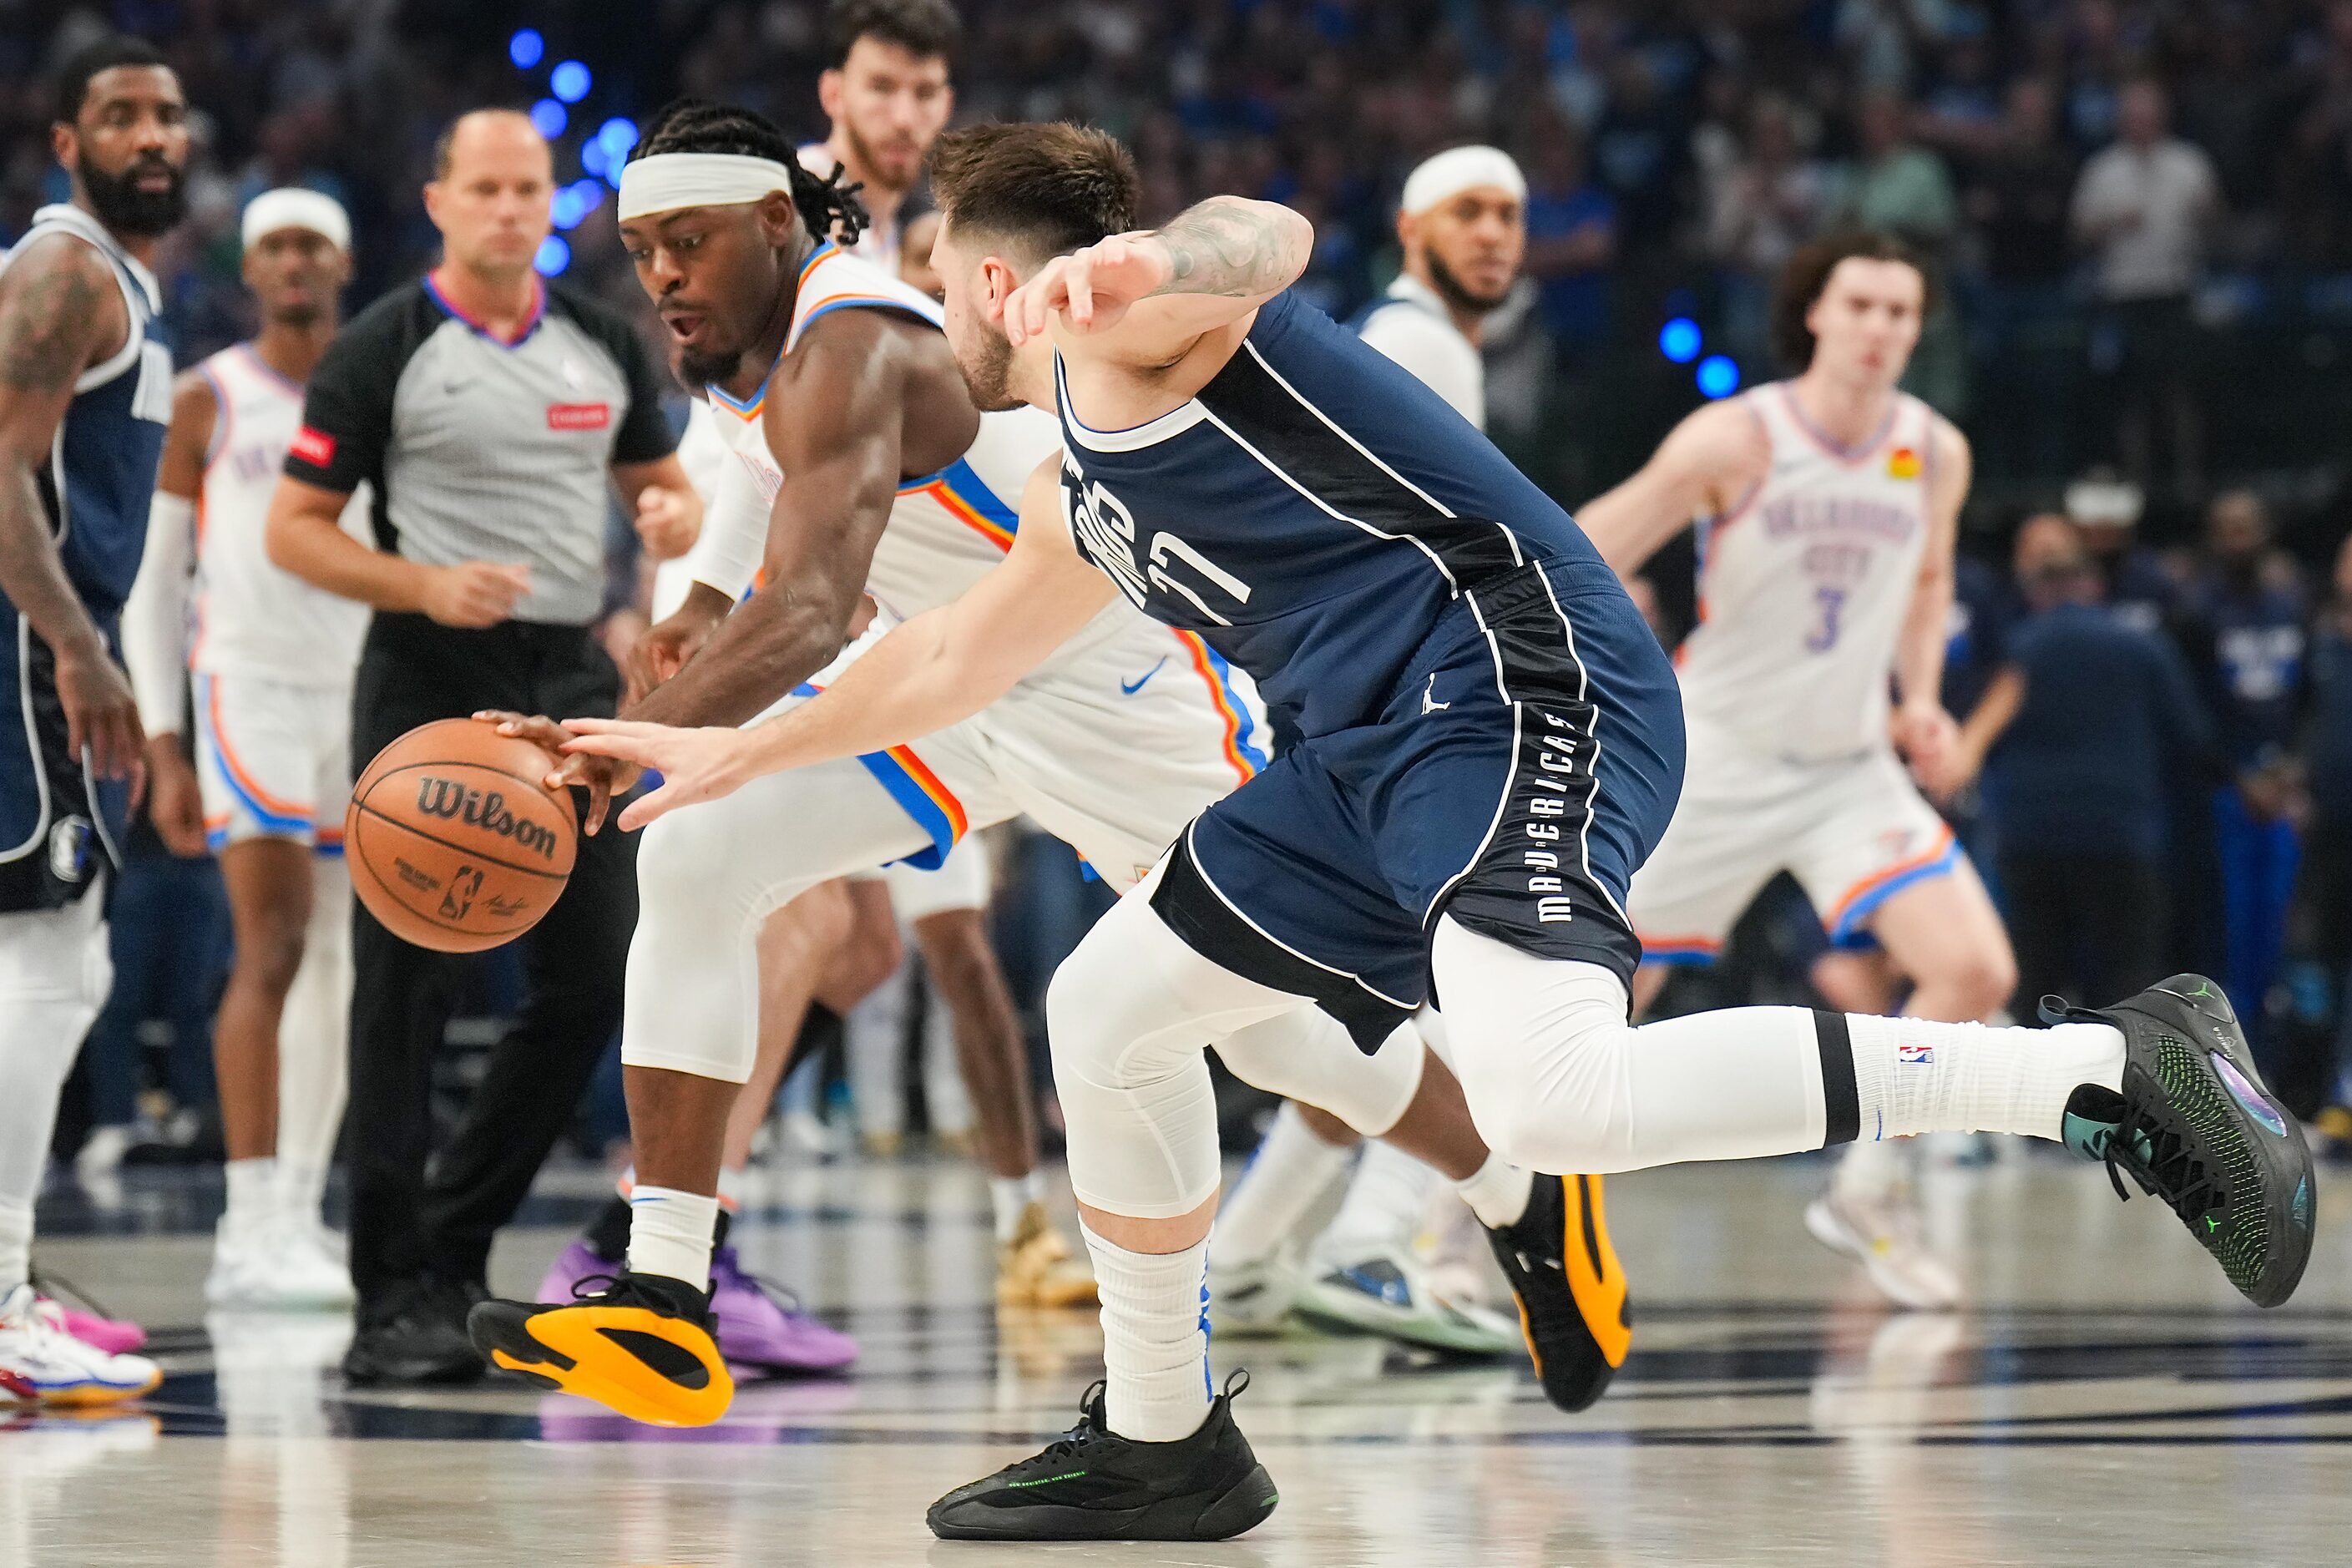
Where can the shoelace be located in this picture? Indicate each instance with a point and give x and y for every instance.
(52, 1285)
(783, 1295)
(2169, 1172)
(1067, 1445)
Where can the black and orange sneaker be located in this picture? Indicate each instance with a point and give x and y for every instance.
(2196, 1127)
(1091, 1484)
(641, 1345)
(1569, 1287)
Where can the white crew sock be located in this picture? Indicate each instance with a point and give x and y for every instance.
(1008, 1196)
(16, 1244)
(314, 1045)
(1384, 1203)
(1496, 1191)
(1914, 1075)
(1279, 1188)
(1155, 1338)
(252, 1192)
(669, 1233)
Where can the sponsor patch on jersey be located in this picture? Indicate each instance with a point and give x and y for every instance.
(313, 446)
(579, 416)
(1902, 463)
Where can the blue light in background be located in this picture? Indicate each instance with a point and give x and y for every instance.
(1718, 376)
(549, 118)
(1678, 340)
(526, 48)
(553, 255)
(592, 156)
(569, 81)
(615, 137)
(567, 208)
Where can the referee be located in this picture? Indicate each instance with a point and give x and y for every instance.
(486, 411)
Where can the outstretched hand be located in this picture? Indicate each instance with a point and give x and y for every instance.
(1092, 287)
(600, 776)
(696, 766)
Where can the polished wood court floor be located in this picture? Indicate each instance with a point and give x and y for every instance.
(2104, 1400)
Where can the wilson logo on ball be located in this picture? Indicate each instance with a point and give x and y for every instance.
(452, 801)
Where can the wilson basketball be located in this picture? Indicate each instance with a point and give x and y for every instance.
(454, 842)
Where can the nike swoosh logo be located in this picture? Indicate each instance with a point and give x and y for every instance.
(1145, 676)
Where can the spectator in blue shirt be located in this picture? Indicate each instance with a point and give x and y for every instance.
(2105, 717)
(1572, 243)
(2328, 866)
(2250, 599)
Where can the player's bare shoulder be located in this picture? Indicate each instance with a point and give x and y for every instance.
(60, 312)
(848, 365)
(1723, 445)
(1951, 463)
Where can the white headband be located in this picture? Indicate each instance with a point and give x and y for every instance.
(1460, 169)
(291, 207)
(666, 181)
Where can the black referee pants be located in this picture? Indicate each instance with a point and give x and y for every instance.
(405, 1222)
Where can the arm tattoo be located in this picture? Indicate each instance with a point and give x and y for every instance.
(1228, 247)
(44, 331)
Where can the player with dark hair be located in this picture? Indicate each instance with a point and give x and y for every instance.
(886, 90)
(85, 392)
(1828, 509)
(864, 467)
(1490, 742)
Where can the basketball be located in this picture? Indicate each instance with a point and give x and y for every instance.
(454, 842)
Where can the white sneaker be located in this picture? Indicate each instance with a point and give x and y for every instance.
(244, 1266)
(1383, 1289)
(1883, 1234)
(1252, 1300)
(41, 1363)
(310, 1267)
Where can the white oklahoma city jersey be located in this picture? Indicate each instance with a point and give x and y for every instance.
(1803, 585)
(1127, 732)
(1803, 592)
(252, 617)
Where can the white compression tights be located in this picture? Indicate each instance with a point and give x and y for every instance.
(314, 1040)
(54, 974)
(1130, 1014)
(1556, 1077)
(708, 877)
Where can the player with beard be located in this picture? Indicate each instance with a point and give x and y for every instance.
(84, 393)
(886, 90)
(1462, 224)
(274, 659)
(863, 467)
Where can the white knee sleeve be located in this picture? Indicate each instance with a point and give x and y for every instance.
(1131, 1015)
(1559, 1082)
(708, 874)
(1307, 1055)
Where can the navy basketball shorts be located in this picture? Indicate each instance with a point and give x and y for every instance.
(57, 824)
(1526, 761)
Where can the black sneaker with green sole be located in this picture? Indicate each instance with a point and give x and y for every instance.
(2195, 1126)
(1094, 1485)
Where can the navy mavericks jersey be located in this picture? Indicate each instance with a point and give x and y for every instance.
(96, 489)
(1312, 514)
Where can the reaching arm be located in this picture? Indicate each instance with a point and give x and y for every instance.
(1707, 466)
(938, 668)
(836, 429)
(60, 312)
(1930, 740)
(1147, 300)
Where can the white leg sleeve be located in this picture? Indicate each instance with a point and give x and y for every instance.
(1559, 1080)
(943, 1092)
(708, 874)
(1307, 1055)
(54, 974)
(314, 1041)
(1132, 1014)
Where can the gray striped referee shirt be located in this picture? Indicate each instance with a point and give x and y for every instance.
(485, 449)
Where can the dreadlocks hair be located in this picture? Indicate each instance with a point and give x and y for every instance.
(829, 208)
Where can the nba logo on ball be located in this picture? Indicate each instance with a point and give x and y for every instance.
(1916, 1056)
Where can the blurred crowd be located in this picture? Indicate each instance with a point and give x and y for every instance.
(2140, 212)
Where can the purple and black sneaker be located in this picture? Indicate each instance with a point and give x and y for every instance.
(763, 1329)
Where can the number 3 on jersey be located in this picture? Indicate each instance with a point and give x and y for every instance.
(1827, 603)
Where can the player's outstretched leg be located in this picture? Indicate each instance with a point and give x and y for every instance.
(2161, 1085)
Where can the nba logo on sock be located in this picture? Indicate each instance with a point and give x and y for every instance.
(1916, 1056)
